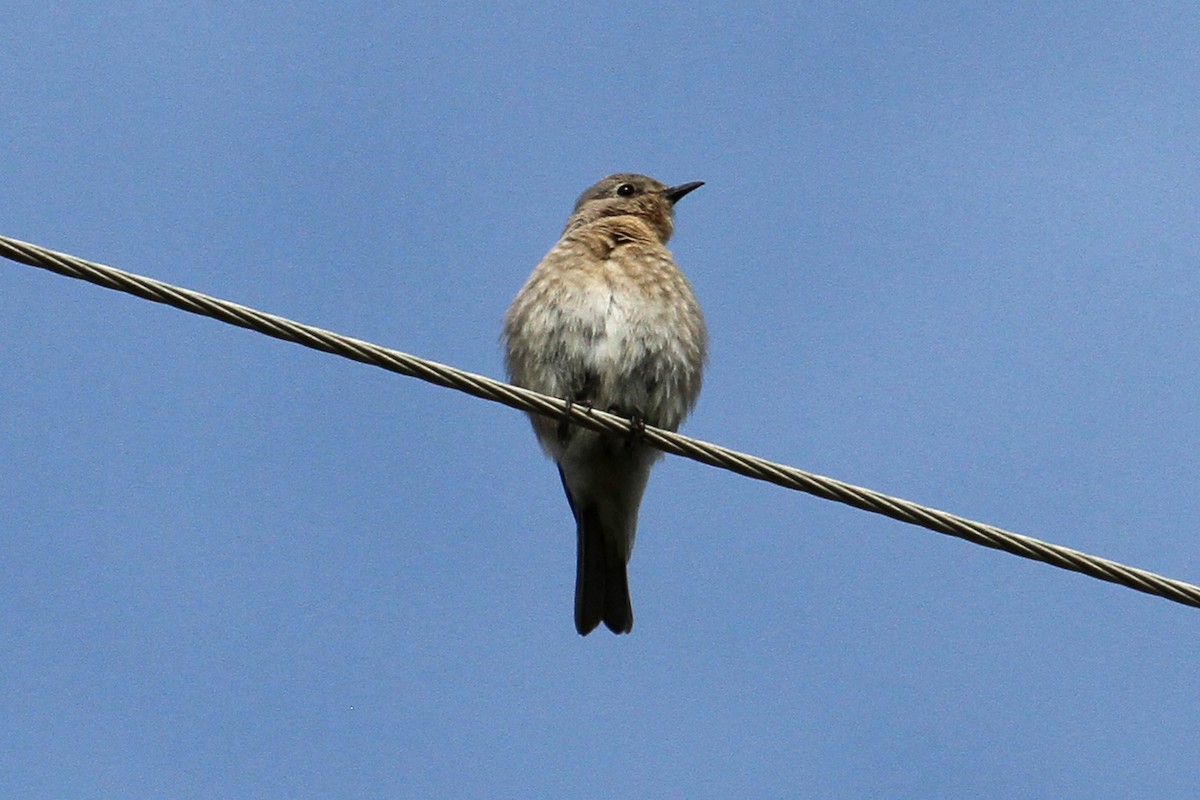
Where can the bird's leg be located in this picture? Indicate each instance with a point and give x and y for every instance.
(637, 430)
(637, 427)
(581, 397)
(564, 424)
(637, 424)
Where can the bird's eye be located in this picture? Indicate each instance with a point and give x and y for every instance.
(626, 190)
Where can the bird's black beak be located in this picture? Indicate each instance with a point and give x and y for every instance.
(676, 192)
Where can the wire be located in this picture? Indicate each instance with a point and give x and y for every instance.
(525, 400)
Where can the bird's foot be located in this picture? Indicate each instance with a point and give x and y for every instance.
(637, 424)
(564, 425)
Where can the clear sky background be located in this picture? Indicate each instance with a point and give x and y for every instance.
(947, 253)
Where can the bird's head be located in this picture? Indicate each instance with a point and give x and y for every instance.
(628, 194)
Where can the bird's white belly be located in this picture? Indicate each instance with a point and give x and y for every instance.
(622, 331)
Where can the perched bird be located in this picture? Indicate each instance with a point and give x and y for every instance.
(608, 321)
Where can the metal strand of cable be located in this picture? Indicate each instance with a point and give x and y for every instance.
(525, 400)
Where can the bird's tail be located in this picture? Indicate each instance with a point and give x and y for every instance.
(601, 580)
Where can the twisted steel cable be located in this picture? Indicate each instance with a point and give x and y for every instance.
(525, 400)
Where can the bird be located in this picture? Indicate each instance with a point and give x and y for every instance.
(607, 320)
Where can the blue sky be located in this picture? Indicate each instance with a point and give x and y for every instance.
(944, 252)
